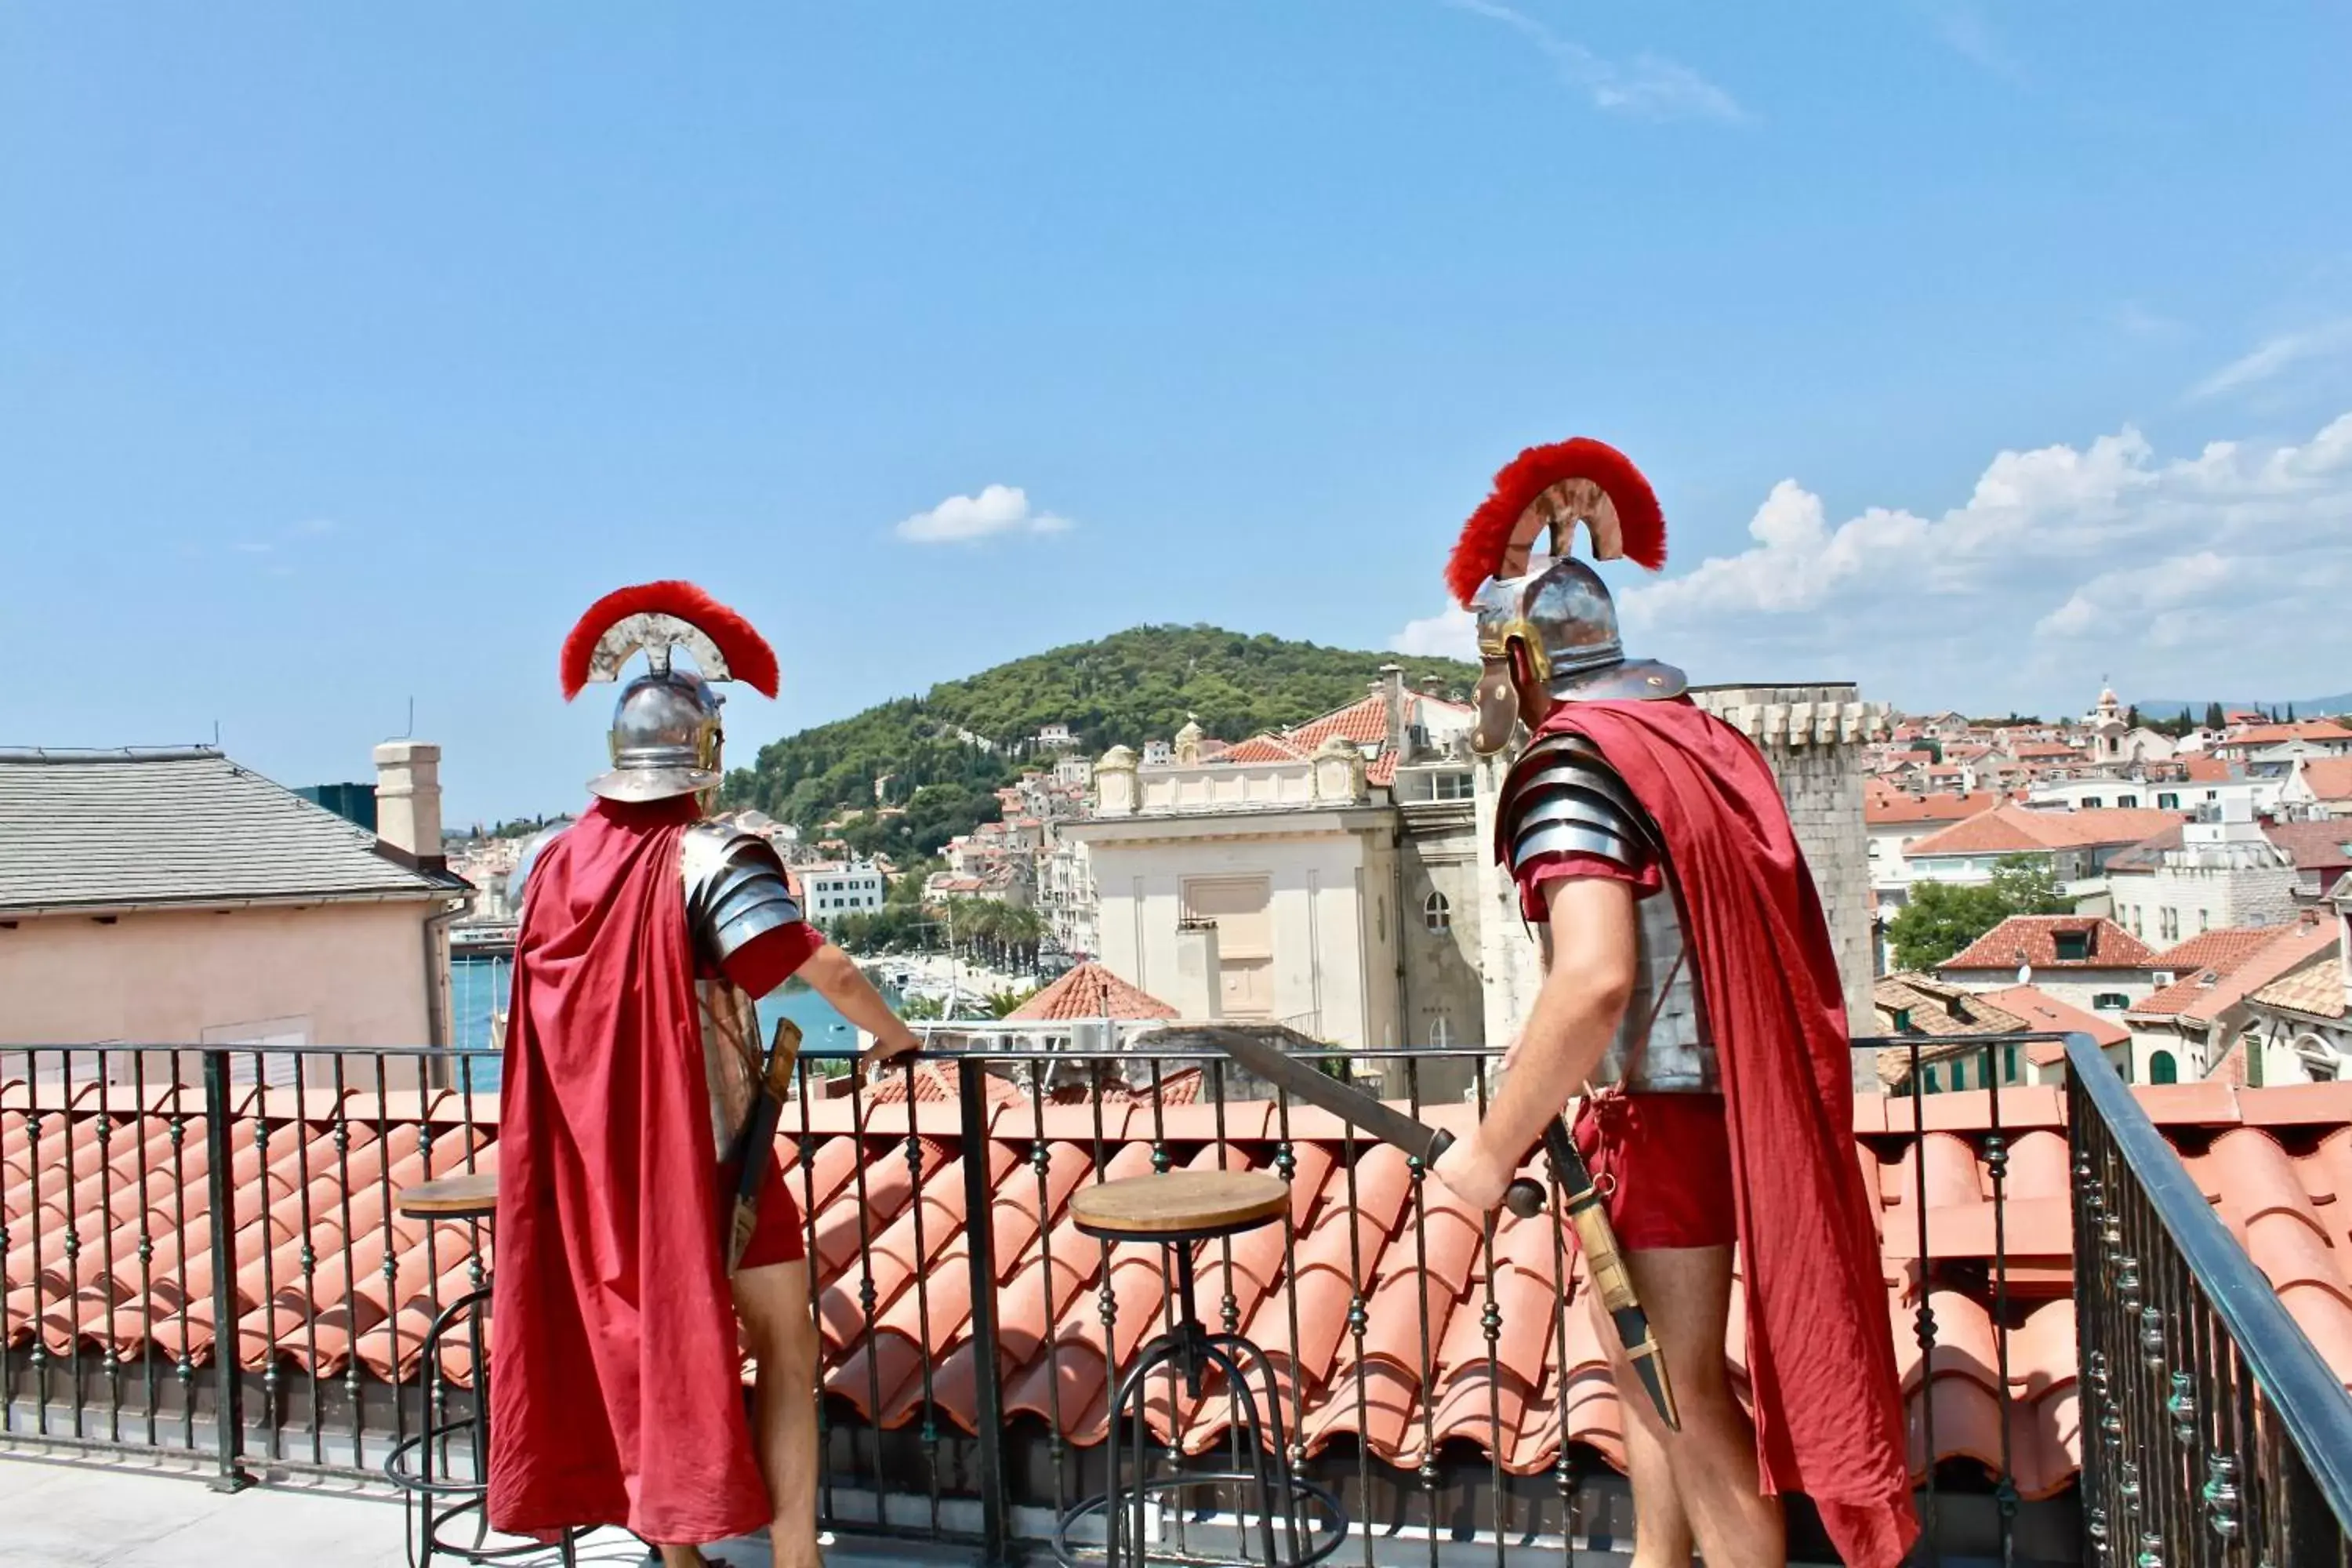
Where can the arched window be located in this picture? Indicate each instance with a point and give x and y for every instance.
(1440, 1033)
(2161, 1069)
(1436, 913)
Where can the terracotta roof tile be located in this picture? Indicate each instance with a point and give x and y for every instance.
(1352, 1238)
(2033, 939)
(2012, 829)
(2315, 845)
(1090, 991)
(1261, 748)
(2315, 988)
(2330, 778)
(1886, 807)
(2247, 959)
(2207, 770)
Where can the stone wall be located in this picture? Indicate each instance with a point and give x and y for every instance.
(1812, 737)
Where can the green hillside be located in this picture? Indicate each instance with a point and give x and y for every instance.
(1119, 690)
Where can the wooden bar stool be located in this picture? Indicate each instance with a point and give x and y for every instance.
(1179, 1211)
(420, 1465)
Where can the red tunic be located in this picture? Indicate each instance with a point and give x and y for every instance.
(1820, 1360)
(617, 1386)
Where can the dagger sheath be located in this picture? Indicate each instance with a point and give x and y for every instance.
(755, 1147)
(1606, 1264)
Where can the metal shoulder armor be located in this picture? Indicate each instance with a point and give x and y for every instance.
(735, 888)
(1562, 797)
(519, 880)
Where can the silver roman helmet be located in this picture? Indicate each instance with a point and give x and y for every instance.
(1559, 614)
(666, 736)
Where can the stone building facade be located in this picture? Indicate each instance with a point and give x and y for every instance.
(1812, 736)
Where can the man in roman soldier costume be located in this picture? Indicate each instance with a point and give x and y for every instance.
(632, 1066)
(1689, 976)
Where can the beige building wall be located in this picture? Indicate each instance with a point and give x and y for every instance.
(335, 975)
(1330, 961)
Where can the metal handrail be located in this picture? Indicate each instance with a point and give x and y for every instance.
(2312, 1405)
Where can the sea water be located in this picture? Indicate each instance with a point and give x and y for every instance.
(477, 988)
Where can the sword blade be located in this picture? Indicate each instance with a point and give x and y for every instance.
(1304, 1080)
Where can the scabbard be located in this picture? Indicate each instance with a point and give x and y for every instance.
(1606, 1265)
(755, 1146)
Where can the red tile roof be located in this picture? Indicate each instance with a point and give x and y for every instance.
(2039, 1010)
(1351, 1237)
(2330, 778)
(1885, 807)
(1090, 991)
(2033, 939)
(2245, 960)
(2012, 829)
(2207, 770)
(1261, 748)
(2279, 734)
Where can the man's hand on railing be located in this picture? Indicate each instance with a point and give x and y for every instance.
(897, 1039)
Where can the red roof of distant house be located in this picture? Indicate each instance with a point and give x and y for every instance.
(2279, 734)
(2033, 939)
(2330, 778)
(896, 1232)
(2024, 750)
(1090, 991)
(2321, 846)
(2040, 1011)
(2218, 969)
(1382, 770)
(2207, 770)
(1885, 807)
(1261, 748)
(2009, 828)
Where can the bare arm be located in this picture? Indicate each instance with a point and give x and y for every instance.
(1576, 1013)
(839, 980)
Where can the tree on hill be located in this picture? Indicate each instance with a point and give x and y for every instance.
(1942, 917)
(1123, 689)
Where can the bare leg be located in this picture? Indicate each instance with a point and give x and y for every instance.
(773, 1302)
(1662, 1531)
(1712, 1460)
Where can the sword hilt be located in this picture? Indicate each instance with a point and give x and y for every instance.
(1526, 1198)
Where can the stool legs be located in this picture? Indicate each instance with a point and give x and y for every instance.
(1189, 1350)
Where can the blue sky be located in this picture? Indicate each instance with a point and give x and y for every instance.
(347, 354)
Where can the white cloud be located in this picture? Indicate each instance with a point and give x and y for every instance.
(2229, 568)
(1648, 87)
(2276, 356)
(1449, 634)
(998, 508)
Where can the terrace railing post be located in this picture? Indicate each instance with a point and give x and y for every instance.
(228, 1414)
(988, 1395)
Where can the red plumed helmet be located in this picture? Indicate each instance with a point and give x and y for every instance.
(662, 614)
(1554, 486)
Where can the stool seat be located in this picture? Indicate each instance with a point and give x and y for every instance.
(474, 1195)
(1182, 1206)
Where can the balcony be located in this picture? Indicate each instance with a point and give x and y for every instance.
(1440, 1374)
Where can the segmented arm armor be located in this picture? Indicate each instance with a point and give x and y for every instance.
(735, 890)
(1563, 798)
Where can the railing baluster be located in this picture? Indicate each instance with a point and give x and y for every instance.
(39, 1355)
(229, 1413)
(270, 1376)
(1924, 1321)
(988, 1404)
(1426, 1472)
(1997, 1163)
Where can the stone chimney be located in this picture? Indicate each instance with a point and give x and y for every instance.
(408, 803)
(1390, 690)
(1199, 982)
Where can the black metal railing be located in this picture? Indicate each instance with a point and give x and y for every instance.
(2221, 1434)
(154, 1193)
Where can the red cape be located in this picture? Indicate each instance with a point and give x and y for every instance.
(618, 1386)
(1821, 1361)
